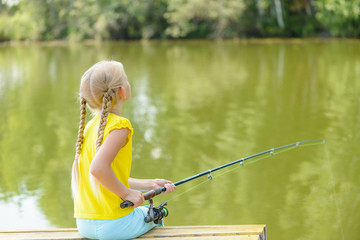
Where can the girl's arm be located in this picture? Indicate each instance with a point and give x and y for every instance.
(101, 169)
(141, 184)
(149, 184)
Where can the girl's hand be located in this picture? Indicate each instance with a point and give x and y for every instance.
(160, 183)
(136, 197)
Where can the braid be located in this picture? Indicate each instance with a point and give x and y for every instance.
(80, 141)
(106, 106)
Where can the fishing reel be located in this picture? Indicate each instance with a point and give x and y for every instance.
(156, 214)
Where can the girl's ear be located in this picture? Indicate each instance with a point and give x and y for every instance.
(121, 93)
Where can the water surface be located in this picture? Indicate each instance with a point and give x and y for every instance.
(195, 105)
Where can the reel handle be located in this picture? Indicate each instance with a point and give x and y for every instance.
(148, 195)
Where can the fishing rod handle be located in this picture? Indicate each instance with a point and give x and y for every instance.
(148, 195)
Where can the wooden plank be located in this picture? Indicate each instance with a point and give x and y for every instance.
(67, 233)
(41, 230)
(229, 232)
(218, 230)
(240, 237)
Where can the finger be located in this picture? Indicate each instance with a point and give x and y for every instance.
(169, 188)
(138, 204)
(166, 189)
(172, 188)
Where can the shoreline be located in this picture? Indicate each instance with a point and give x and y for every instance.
(232, 40)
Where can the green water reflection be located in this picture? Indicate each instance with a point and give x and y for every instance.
(197, 105)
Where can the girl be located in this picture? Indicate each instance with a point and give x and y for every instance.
(101, 170)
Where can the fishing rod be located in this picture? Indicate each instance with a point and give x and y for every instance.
(150, 194)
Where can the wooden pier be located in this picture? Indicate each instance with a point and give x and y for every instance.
(228, 232)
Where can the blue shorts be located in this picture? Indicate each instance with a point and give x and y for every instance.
(127, 227)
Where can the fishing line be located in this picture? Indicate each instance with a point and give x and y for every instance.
(242, 164)
(249, 160)
(332, 182)
(156, 214)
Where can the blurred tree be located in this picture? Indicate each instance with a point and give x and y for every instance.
(289, 18)
(57, 18)
(110, 19)
(86, 20)
(24, 21)
(203, 18)
(340, 17)
(139, 19)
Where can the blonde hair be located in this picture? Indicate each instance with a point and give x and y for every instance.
(98, 88)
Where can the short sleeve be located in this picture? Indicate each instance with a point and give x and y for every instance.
(116, 122)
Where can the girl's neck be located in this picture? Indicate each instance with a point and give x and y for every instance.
(117, 108)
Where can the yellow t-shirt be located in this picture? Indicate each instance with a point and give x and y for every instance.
(107, 207)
